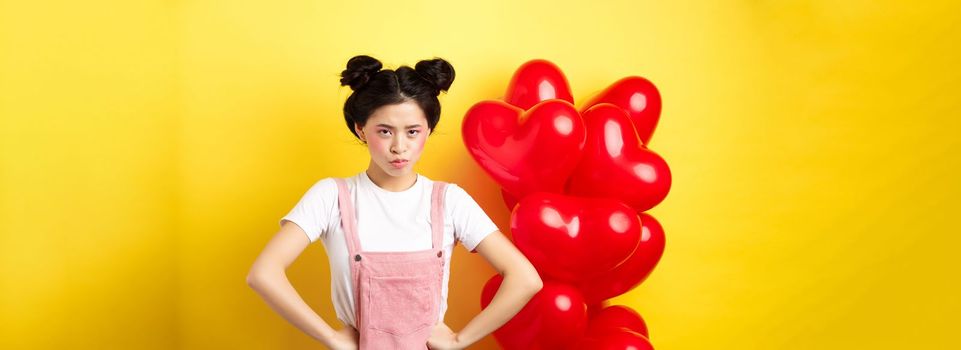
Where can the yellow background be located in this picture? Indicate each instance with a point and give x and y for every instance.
(149, 148)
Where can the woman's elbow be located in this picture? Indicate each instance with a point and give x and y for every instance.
(525, 279)
(256, 276)
(253, 278)
(534, 282)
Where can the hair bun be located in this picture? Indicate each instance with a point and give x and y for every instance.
(436, 71)
(359, 70)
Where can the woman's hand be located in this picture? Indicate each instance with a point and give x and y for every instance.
(443, 338)
(344, 339)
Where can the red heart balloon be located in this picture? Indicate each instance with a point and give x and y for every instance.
(615, 339)
(525, 151)
(639, 97)
(553, 319)
(617, 316)
(535, 81)
(631, 272)
(572, 238)
(616, 165)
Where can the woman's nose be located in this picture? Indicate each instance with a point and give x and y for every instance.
(399, 146)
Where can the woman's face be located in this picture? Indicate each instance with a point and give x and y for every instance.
(395, 136)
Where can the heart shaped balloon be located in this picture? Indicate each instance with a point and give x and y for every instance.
(639, 97)
(535, 81)
(617, 316)
(572, 238)
(616, 165)
(615, 339)
(631, 272)
(554, 318)
(525, 151)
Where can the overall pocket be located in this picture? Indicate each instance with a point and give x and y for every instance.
(401, 305)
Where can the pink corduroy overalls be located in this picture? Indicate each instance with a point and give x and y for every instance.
(396, 294)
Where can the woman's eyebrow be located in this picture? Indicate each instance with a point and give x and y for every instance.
(391, 127)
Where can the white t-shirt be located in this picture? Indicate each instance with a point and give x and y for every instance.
(386, 221)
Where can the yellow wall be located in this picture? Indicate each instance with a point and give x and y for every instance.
(148, 148)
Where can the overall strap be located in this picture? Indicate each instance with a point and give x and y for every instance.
(347, 217)
(437, 214)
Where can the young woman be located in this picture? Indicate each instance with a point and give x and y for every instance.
(388, 231)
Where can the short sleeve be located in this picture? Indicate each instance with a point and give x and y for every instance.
(471, 223)
(313, 212)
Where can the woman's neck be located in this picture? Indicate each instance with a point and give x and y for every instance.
(388, 182)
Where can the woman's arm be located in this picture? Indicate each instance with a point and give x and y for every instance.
(268, 277)
(521, 283)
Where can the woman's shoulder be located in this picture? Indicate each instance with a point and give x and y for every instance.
(323, 188)
(453, 193)
(331, 181)
(327, 182)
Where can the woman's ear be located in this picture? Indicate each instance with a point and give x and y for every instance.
(360, 132)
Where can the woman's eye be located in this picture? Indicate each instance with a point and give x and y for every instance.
(414, 132)
(383, 131)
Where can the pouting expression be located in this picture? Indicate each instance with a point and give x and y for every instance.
(395, 135)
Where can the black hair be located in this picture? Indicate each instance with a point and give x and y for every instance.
(374, 87)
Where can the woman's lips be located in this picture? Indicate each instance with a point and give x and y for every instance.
(399, 164)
